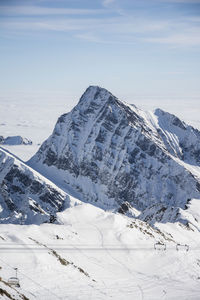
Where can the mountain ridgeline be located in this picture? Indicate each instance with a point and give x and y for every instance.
(107, 152)
(26, 197)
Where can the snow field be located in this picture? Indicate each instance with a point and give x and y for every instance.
(120, 261)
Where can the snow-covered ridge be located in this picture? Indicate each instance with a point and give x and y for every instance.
(108, 152)
(25, 195)
(180, 139)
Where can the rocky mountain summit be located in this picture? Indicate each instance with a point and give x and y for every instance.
(108, 152)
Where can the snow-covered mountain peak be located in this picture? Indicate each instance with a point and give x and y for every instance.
(108, 152)
(97, 100)
(94, 95)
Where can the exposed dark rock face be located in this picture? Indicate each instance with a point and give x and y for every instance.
(111, 153)
(25, 196)
(15, 140)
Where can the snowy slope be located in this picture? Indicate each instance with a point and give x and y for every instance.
(107, 152)
(25, 195)
(100, 255)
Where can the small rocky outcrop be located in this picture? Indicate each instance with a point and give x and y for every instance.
(14, 140)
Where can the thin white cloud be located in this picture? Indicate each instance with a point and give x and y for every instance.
(176, 40)
(114, 25)
(175, 73)
(91, 37)
(180, 1)
(39, 10)
(193, 19)
(45, 25)
(130, 27)
(107, 2)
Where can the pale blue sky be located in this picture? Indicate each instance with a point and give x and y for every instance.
(143, 48)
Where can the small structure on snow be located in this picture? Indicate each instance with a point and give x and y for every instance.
(182, 247)
(160, 246)
(14, 281)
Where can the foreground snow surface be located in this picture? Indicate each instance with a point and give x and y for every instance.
(95, 254)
